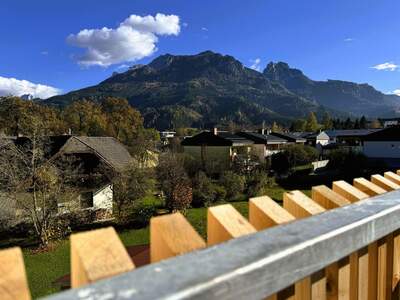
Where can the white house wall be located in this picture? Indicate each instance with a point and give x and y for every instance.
(103, 198)
(386, 149)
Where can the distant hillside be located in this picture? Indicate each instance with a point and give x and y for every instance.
(358, 99)
(199, 90)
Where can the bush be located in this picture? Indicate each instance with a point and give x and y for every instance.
(292, 156)
(258, 183)
(205, 192)
(233, 183)
(350, 163)
(142, 212)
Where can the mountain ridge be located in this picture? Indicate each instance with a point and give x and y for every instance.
(207, 88)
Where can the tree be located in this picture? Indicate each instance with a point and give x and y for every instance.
(204, 190)
(174, 181)
(312, 123)
(363, 123)
(19, 117)
(86, 118)
(275, 127)
(299, 125)
(375, 124)
(34, 184)
(123, 121)
(327, 122)
(129, 187)
(292, 156)
(233, 183)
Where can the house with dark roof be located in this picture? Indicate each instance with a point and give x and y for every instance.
(384, 145)
(290, 138)
(265, 144)
(217, 150)
(97, 159)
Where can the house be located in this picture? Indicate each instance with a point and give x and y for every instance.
(97, 155)
(290, 138)
(265, 144)
(384, 145)
(97, 159)
(217, 150)
(390, 122)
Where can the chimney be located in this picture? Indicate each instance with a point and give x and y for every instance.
(215, 131)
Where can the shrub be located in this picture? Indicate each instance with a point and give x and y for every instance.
(233, 183)
(292, 156)
(258, 183)
(204, 192)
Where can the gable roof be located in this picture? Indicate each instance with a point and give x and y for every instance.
(387, 134)
(207, 138)
(350, 132)
(289, 137)
(108, 149)
(259, 138)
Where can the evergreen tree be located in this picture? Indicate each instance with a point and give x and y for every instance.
(312, 123)
(327, 121)
(363, 122)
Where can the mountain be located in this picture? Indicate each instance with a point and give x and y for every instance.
(199, 90)
(358, 99)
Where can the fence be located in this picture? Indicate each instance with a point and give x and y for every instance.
(342, 248)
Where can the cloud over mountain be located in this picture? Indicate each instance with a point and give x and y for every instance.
(135, 38)
(16, 87)
(388, 66)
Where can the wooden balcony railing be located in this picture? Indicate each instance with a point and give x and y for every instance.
(342, 243)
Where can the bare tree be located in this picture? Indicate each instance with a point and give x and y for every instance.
(34, 184)
(174, 181)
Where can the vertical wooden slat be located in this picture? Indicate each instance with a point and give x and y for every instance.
(384, 182)
(301, 206)
(172, 235)
(396, 259)
(265, 213)
(348, 191)
(363, 264)
(13, 281)
(340, 283)
(224, 222)
(385, 267)
(97, 254)
(393, 177)
(368, 187)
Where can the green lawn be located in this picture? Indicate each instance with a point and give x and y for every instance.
(44, 268)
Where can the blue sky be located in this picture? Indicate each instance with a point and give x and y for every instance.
(326, 39)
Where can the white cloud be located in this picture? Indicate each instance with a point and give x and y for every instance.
(255, 64)
(396, 92)
(388, 66)
(44, 52)
(134, 39)
(348, 39)
(204, 28)
(15, 87)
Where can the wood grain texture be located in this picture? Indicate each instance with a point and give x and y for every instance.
(327, 198)
(393, 177)
(13, 281)
(265, 213)
(348, 191)
(368, 187)
(97, 254)
(224, 222)
(384, 182)
(300, 205)
(172, 235)
(338, 275)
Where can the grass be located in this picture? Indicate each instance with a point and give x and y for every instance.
(43, 268)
